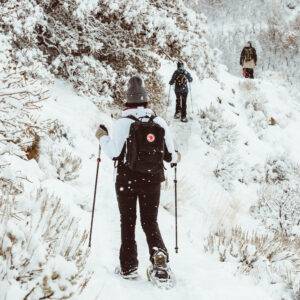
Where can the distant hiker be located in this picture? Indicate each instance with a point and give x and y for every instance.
(140, 143)
(248, 60)
(181, 78)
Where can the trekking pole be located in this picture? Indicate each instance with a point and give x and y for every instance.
(191, 97)
(95, 192)
(176, 216)
(168, 103)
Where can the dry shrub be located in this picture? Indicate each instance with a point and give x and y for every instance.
(33, 151)
(20, 98)
(58, 132)
(272, 257)
(67, 164)
(42, 247)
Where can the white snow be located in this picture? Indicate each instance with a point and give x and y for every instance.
(224, 147)
(203, 203)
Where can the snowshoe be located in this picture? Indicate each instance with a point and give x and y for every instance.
(131, 274)
(160, 274)
(184, 119)
(177, 115)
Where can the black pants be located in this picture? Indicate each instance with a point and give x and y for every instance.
(148, 197)
(248, 73)
(181, 103)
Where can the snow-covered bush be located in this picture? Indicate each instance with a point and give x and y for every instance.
(18, 21)
(216, 131)
(255, 107)
(84, 71)
(10, 184)
(278, 205)
(41, 247)
(279, 169)
(228, 170)
(42, 252)
(58, 132)
(98, 45)
(21, 97)
(266, 257)
(18, 100)
(256, 114)
(66, 163)
(219, 133)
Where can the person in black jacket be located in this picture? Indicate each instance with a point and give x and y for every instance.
(248, 60)
(181, 78)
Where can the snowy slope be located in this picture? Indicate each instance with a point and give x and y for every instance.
(196, 273)
(238, 149)
(204, 205)
(239, 191)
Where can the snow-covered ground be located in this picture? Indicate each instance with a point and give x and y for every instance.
(204, 204)
(239, 178)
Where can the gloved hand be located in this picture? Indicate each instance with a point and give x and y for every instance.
(101, 131)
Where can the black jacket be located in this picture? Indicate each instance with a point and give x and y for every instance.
(242, 57)
(181, 88)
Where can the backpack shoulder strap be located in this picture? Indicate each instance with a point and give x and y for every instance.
(131, 117)
(151, 119)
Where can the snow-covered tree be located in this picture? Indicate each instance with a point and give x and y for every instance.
(97, 45)
(274, 35)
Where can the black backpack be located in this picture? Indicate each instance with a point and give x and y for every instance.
(145, 146)
(181, 79)
(248, 54)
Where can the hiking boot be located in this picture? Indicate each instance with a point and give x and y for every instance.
(130, 274)
(159, 259)
(160, 267)
(184, 119)
(159, 273)
(177, 115)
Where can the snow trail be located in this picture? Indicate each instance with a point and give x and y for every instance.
(197, 274)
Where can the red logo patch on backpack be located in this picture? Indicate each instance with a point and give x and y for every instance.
(150, 137)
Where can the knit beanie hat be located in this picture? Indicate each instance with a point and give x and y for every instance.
(136, 92)
(180, 65)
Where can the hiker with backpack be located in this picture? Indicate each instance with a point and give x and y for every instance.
(248, 60)
(180, 78)
(139, 144)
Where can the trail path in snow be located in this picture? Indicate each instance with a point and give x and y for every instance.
(199, 276)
